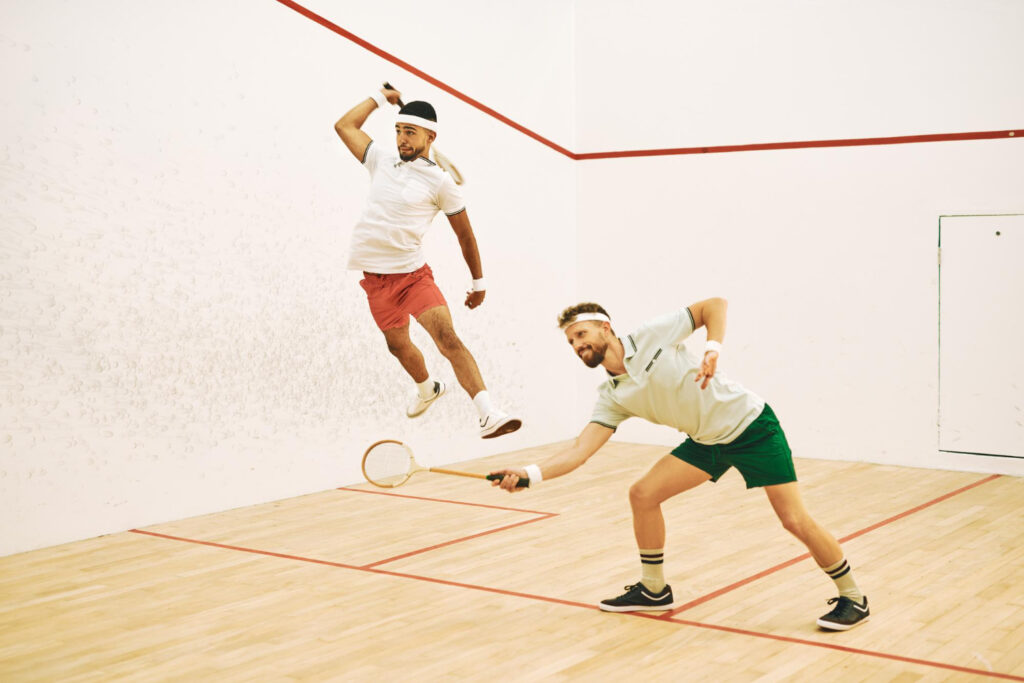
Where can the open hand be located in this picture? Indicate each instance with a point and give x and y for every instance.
(707, 368)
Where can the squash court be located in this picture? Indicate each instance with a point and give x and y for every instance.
(445, 578)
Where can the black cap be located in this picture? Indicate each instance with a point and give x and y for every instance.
(421, 109)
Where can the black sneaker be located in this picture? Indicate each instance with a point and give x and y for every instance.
(638, 598)
(845, 615)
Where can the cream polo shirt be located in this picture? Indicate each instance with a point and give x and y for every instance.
(404, 198)
(659, 386)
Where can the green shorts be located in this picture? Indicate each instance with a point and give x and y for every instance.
(760, 453)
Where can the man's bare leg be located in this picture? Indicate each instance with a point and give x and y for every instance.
(407, 353)
(493, 422)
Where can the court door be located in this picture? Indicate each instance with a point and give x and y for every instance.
(981, 335)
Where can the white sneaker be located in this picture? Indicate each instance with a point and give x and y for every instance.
(420, 405)
(498, 423)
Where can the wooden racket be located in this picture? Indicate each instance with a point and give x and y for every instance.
(439, 159)
(389, 463)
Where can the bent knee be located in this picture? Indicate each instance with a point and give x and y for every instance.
(643, 495)
(399, 347)
(797, 524)
(448, 343)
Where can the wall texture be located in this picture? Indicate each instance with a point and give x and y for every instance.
(178, 334)
(177, 331)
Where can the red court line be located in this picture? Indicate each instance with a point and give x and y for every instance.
(851, 650)
(803, 144)
(445, 500)
(570, 603)
(760, 575)
(372, 570)
(457, 540)
(241, 549)
(542, 515)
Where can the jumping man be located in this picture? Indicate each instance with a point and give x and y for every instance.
(652, 375)
(406, 192)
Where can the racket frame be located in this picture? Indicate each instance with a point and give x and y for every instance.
(415, 467)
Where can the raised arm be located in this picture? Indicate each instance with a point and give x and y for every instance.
(349, 126)
(586, 444)
(710, 313)
(470, 252)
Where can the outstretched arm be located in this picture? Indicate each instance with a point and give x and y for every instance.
(586, 444)
(470, 252)
(349, 126)
(710, 313)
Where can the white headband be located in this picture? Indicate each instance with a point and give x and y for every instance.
(417, 121)
(583, 317)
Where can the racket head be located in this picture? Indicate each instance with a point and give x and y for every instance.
(388, 463)
(446, 163)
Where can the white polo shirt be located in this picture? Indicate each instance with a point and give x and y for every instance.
(659, 386)
(403, 200)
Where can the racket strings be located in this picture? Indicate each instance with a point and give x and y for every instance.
(387, 464)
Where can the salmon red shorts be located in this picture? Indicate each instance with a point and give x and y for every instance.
(394, 297)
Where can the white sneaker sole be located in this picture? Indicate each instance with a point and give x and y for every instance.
(636, 608)
(829, 626)
(506, 426)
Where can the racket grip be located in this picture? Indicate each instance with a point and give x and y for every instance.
(391, 87)
(521, 484)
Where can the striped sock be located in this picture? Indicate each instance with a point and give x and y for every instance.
(652, 568)
(842, 575)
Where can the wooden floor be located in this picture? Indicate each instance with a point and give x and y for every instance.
(447, 579)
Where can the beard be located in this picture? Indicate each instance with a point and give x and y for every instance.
(416, 153)
(596, 356)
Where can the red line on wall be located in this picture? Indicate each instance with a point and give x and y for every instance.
(674, 151)
(425, 76)
(804, 144)
(788, 563)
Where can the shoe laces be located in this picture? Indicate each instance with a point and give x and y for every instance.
(845, 605)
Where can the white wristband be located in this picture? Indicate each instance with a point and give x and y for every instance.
(713, 345)
(379, 98)
(479, 285)
(533, 472)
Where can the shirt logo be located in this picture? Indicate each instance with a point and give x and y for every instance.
(649, 365)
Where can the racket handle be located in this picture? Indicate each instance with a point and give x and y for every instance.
(391, 87)
(522, 483)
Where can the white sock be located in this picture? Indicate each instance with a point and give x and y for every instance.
(425, 388)
(482, 401)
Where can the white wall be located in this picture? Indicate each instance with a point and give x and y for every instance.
(516, 58)
(679, 74)
(178, 334)
(829, 260)
(828, 256)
